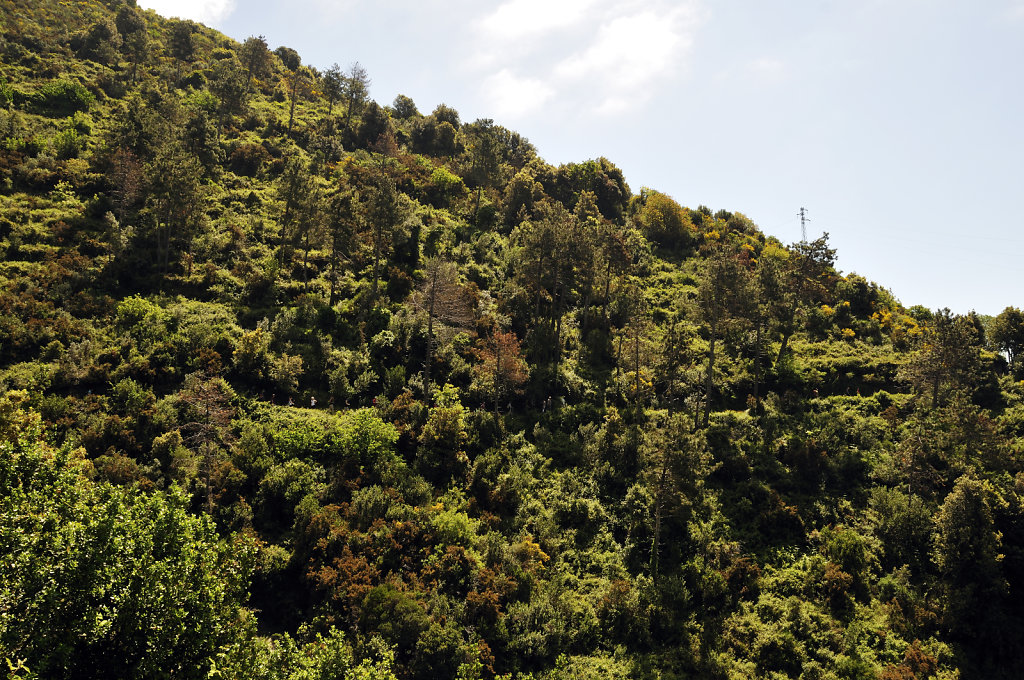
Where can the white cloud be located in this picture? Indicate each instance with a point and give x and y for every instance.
(205, 11)
(514, 96)
(603, 56)
(627, 55)
(520, 18)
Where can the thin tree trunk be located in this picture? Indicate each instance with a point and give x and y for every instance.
(757, 363)
(377, 237)
(787, 331)
(636, 365)
(709, 379)
(430, 336)
(334, 271)
(291, 110)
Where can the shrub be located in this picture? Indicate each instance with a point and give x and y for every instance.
(63, 96)
(247, 159)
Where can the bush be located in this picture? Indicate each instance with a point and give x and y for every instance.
(67, 144)
(247, 159)
(63, 97)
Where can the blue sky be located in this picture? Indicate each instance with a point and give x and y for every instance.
(896, 123)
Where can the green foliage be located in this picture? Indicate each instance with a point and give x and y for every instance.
(99, 580)
(667, 445)
(663, 220)
(63, 97)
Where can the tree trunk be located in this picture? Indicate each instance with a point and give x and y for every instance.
(377, 237)
(291, 110)
(787, 331)
(636, 368)
(334, 271)
(757, 363)
(656, 542)
(710, 377)
(430, 336)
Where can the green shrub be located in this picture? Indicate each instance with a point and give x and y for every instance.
(63, 96)
(67, 144)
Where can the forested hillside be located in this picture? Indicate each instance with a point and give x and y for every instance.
(299, 385)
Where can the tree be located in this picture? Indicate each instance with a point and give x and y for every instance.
(333, 83)
(404, 107)
(637, 350)
(343, 213)
(101, 581)
(388, 211)
(101, 42)
(769, 300)
(230, 86)
(675, 462)
(298, 87)
(947, 359)
(442, 451)
(663, 220)
(255, 57)
(723, 296)
(967, 554)
(131, 24)
(445, 300)
(485, 156)
(1007, 333)
(125, 175)
(806, 273)
(181, 42)
(175, 198)
(356, 90)
(289, 57)
(502, 369)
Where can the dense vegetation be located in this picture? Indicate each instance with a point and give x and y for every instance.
(296, 385)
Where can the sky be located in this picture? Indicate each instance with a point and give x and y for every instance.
(897, 124)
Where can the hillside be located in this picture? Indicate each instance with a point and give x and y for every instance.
(299, 385)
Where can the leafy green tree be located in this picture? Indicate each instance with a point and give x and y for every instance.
(806, 276)
(175, 199)
(903, 523)
(136, 45)
(356, 90)
(296, 190)
(438, 133)
(723, 298)
(663, 220)
(485, 156)
(228, 83)
(255, 57)
(101, 42)
(947, 359)
(968, 553)
(100, 581)
(181, 42)
(389, 214)
(343, 213)
(404, 107)
(299, 87)
(674, 464)
(1007, 333)
(442, 452)
(333, 83)
(289, 57)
